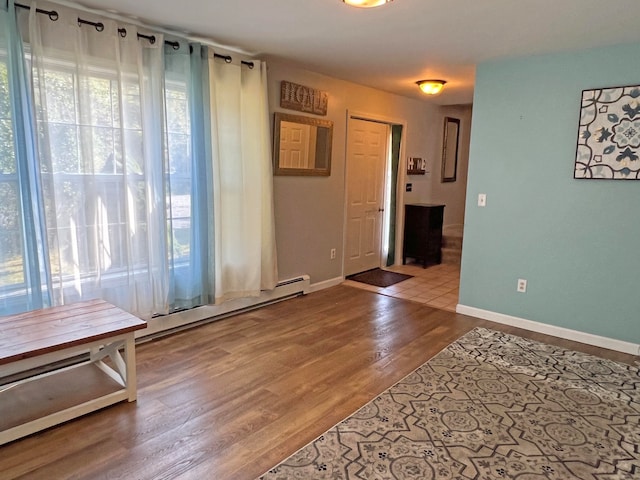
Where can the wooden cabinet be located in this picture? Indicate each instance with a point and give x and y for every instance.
(423, 233)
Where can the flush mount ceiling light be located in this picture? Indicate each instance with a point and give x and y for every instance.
(431, 87)
(366, 3)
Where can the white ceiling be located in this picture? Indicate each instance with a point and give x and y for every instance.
(393, 46)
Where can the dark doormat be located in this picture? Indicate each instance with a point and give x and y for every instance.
(379, 277)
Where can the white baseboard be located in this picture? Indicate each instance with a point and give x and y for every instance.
(332, 282)
(560, 332)
(285, 289)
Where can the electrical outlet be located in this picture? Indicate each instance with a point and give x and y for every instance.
(522, 285)
(482, 199)
(333, 254)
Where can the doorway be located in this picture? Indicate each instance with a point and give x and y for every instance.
(367, 194)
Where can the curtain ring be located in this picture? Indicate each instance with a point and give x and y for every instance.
(152, 39)
(122, 32)
(99, 26)
(53, 15)
(226, 58)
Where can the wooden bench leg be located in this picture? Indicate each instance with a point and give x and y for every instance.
(130, 360)
(125, 368)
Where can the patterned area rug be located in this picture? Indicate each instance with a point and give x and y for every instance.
(379, 277)
(490, 406)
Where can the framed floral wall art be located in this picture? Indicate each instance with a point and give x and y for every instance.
(609, 134)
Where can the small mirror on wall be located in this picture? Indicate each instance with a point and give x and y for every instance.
(450, 149)
(302, 145)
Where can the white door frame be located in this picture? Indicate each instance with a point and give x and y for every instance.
(359, 115)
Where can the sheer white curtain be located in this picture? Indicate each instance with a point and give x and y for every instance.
(100, 115)
(152, 180)
(245, 253)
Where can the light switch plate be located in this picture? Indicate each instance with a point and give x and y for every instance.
(482, 199)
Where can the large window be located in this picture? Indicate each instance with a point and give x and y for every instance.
(11, 251)
(179, 175)
(92, 171)
(116, 156)
(97, 184)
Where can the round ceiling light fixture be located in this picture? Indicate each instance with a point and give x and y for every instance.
(431, 87)
(366, 3)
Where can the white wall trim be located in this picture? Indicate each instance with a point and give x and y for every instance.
(187, 318)
(332, 282)
(560, 332)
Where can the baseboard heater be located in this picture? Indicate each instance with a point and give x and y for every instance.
(166, 324)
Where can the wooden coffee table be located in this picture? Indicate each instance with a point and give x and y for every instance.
(40, 338)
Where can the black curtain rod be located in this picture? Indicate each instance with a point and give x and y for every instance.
(151, 38)
(53, 15)
(226, 58)
(229, 59)
(99, 26)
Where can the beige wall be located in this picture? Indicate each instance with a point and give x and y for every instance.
(453, 194)
(310, 210)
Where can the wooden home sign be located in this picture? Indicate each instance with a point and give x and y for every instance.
(416, 166)
(303, 99)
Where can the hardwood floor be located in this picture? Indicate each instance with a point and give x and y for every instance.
(230, 399)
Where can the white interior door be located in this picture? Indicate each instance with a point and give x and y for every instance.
(367, 151)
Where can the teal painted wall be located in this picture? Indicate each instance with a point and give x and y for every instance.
(577, 242)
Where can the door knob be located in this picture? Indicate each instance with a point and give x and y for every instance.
(381, 209)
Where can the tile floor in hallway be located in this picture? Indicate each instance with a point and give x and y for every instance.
(436, 286)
